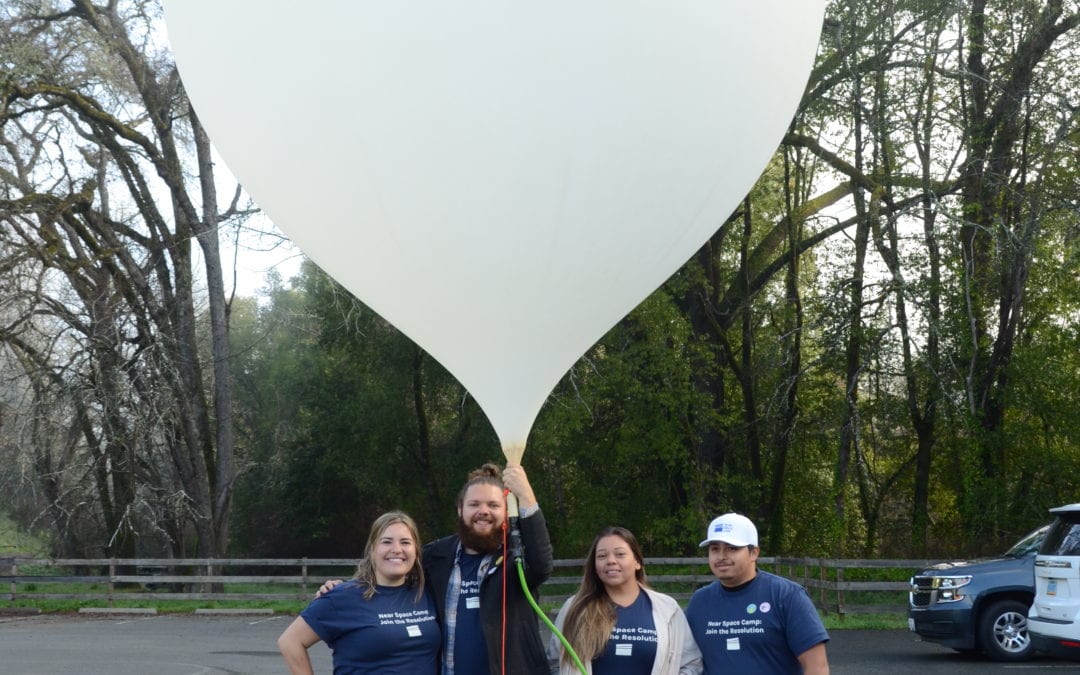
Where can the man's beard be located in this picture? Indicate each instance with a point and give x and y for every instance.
(473, 541)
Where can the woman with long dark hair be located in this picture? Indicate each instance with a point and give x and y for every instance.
(616, 623)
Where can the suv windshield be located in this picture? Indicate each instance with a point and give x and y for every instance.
(1064, 535)
(1029, 544)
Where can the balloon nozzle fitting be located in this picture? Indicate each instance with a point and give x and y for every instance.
(515, 545)
(517, 549)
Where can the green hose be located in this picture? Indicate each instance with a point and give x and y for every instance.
(547, 621)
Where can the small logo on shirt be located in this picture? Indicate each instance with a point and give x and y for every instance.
(414, 631)
(623, 649)
(733, 644)
(765, 607)
(751, 608)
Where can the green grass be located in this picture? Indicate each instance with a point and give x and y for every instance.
(166, 607)
(164, 603)
(288, 607)
(15, 540)
(834, 621)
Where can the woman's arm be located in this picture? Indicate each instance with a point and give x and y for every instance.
(555, 647)
(294, 643)
(690, 655)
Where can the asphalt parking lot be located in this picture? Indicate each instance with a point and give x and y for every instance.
(171, 644)
(165, 644)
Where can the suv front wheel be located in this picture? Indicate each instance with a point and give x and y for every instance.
(1003, 631)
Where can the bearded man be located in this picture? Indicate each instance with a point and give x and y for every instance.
(465, 573)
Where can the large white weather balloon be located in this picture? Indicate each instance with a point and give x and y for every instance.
(503, 181)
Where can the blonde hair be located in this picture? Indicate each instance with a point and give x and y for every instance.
(591, 615)
(365, 569)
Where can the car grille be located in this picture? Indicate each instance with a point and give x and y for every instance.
(922, 591)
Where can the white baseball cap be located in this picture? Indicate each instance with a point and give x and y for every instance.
(733, 529)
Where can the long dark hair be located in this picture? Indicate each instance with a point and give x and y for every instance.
(591, 614)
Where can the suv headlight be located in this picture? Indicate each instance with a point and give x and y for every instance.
(948, 588)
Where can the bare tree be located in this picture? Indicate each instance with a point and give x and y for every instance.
(109, 182)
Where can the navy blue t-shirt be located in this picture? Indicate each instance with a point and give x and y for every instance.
(631, 649)
(470, 648)
(390, 634)
(761, 627)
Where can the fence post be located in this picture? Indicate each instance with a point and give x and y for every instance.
(821, 587)
(112, 580)
(14, 573)
(303, 573)
(840, 592)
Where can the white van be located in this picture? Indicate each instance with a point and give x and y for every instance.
(1054, 618)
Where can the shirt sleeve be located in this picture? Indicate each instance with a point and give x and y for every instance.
(555, 646)
(321, 616)
(804, 627)
(690, 662)
(539, 557)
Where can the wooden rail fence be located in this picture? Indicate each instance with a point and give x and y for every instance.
(113, 580)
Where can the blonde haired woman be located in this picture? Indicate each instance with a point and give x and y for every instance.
(616, 623)
(382, 621)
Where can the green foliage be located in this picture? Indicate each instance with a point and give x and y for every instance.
(615, 435)
(14, 539)
(334, 438)
(728, 388)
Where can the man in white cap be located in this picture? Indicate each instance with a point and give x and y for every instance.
(749, 621)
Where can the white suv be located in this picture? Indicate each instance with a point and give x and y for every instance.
(1054, 618)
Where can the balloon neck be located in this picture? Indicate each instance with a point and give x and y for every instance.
(513, 452)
